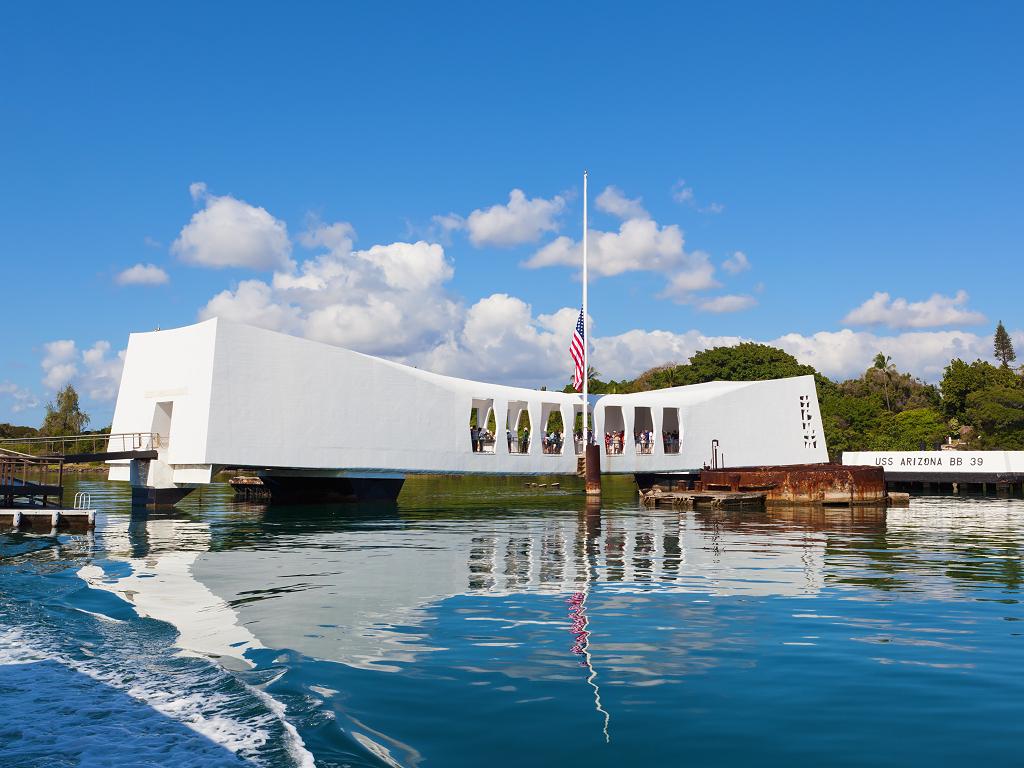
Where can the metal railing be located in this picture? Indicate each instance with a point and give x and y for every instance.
(30, 477)
(120, 442)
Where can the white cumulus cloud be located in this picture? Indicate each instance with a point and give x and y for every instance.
(697, 274)
(847, 353)
(838, 354)
(228, 232)
(736, 263)
(392, 300)
(142, 274)
(934, 312)
(387, 299)
(59, 363)
(727, 303)
(521, 220)
(639, 245)
(94, 371)
(612, 200)
(23, 398)
(683, 194)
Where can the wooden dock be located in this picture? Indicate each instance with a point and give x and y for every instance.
(50, 519)
(689, 499)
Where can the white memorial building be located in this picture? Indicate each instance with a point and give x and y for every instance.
(307, 415)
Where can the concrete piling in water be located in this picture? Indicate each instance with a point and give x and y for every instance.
(593, 470)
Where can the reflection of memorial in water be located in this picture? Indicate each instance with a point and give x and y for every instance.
(161, 553)
(702, 551)
(358, 587)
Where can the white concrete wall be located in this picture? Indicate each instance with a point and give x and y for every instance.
(174, 366)
(940, 462)
(244, 396)
(756, 422)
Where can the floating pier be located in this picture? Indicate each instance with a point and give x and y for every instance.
(693, 499)
(47, 519)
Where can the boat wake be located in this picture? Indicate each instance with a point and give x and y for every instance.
(94, 690)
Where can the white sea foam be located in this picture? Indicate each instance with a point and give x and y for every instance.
(69, 693)
(296, 746)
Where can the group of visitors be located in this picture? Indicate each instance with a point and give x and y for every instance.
(671, 441)
(614, 442)
(518, 443)
(553, 442)
(481, 439)
(578, 439)
(644, 440)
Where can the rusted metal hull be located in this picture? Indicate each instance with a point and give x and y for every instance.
(803, 483)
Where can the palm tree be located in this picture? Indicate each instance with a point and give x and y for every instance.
(884, 364)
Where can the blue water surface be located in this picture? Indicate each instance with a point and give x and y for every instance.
(482, 621)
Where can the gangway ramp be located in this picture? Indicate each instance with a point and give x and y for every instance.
(87, 447)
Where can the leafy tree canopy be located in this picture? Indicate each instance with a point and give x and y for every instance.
(960, 379)
(743, 362)
(64, 416)
(914, 430)
(997, 412)
(901, 391)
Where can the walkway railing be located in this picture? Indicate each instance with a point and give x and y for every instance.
(80, 445)
(29, 478)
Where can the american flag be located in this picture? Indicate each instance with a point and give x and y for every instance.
(576, 350)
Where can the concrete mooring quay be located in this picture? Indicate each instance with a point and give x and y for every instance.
(985, 472)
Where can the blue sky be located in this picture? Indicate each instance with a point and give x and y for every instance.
(844, 149)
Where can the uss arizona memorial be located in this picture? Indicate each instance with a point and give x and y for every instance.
(307, 415)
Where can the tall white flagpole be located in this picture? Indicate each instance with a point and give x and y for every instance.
(586, 329)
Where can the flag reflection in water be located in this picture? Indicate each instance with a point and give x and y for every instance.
(581, 647)
(578, 625)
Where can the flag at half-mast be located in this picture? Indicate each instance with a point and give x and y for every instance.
(576, 350)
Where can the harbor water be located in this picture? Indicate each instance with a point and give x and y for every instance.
(480, 621)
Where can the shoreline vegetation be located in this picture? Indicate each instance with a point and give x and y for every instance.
(975, 405)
